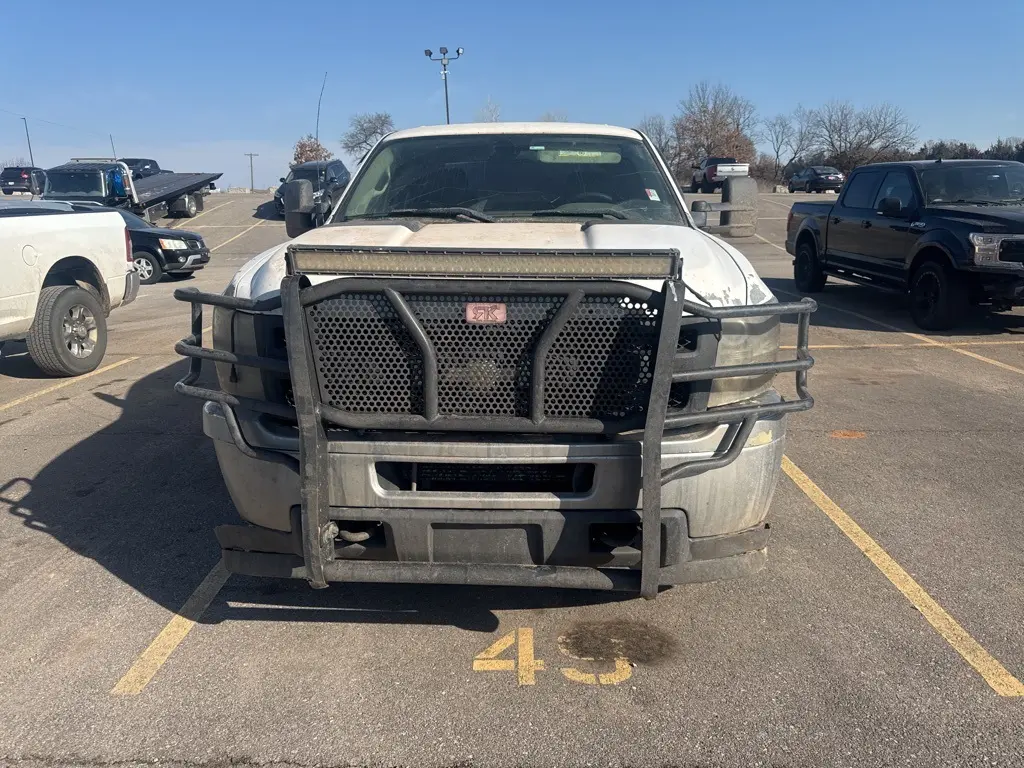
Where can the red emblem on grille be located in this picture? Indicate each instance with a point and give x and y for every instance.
(485, 313)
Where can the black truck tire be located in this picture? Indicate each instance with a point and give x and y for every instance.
(938, 299)
(706, 187)
(69, 334)
(191, 207)
(807, 272)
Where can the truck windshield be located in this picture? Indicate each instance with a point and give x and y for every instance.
(973, 183)
(74, 184)
(514, 176)
(307, 174)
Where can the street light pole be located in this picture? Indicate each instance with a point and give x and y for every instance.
(444, 59)
(252, 184)
(31, 160)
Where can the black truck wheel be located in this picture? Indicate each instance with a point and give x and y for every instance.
(938, 299)
(706, 187)
(807, 272)
(191, 207)
(69, 334)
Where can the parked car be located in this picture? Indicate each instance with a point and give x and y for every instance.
(950, 233)
(63, 272)
(711, 174)
(329, 179)
(142, 167)
(18, 179)
(158, 251)
(519, 333)
(817, 178)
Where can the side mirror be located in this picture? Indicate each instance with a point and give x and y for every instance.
(891, 206)
(699, 211)
(281, 179)
(695, 167)
(298, 207)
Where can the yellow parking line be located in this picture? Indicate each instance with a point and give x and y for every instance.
(232, 239)
(149, 663)
(65, 383)
(994, 673)
(200, 215)
(918, 345)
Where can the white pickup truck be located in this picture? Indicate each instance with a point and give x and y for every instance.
(511, 356)
(711, 174)
(61, 273)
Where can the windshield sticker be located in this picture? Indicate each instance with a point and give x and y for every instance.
(537, 148)
(578, 156)
(652, 194)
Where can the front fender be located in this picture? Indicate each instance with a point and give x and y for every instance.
(944, 241)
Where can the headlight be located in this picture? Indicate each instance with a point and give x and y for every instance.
(173, 245)
(744, 341)
(986, 249)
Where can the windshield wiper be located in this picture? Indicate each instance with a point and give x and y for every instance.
(613, 213)
(454, 212)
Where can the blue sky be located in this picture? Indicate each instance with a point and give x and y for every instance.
(197, 88)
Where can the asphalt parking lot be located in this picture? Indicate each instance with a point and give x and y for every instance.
(885, 630)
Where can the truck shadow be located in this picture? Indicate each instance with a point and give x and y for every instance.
(141, 497)
(16, 363)
(267, 212)
(840, 303)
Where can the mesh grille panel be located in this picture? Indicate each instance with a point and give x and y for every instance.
(600, 364)
(365, 359)
(484, 369)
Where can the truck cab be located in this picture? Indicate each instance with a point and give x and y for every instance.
(508, 357)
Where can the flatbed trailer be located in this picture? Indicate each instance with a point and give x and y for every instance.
(109, 182)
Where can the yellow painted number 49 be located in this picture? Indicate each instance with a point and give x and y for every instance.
(527, 665)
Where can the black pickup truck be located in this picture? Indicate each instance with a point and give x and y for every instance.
(948, 232)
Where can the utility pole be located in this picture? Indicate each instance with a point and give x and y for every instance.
(444, 74)
(31, 160)
(112, 145)
(251, 155)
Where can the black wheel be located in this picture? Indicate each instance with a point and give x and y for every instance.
(694, 187)
(69, 334)
(191, 208)
(807, 273)
(938, 300)
(706, 187)
(791, 190)
(148, 267)
(8, 191)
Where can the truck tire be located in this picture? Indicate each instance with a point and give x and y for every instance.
(694, 186)
(148, 267)
(191, 207)
(706, 187)
(69, 334)
(938, 300)
(807, 272)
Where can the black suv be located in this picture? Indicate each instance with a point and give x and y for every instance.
(17, 178)
(817, 178)
(329, 178)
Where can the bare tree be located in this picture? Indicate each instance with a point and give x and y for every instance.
(803, 136)
(364, 131)
(714, 120)
(16, 162)
(778, 132)
(852, 137)
(308, 148)
(657, 129)
(490, 112)
(555, 116)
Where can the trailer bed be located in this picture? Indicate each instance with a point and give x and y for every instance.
(165, 187)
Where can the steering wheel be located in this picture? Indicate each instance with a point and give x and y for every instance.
(590, 197)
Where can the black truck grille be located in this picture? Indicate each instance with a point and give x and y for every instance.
(599, 365)
(1012, 250)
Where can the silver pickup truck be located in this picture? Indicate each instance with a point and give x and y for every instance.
(510, 357)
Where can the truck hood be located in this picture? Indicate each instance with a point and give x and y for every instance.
(717, 271)
(996, 218)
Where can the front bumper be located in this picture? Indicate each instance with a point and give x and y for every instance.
(637, 480)
(194, 260)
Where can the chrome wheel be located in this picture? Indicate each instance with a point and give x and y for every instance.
(80, 331)
(144, 267)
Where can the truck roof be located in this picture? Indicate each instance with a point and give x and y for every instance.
(932, 163)
(467, 129)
